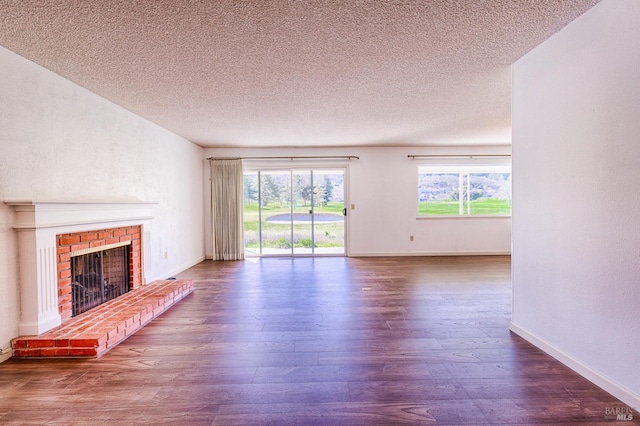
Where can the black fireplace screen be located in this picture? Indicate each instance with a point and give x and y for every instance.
(99, 277)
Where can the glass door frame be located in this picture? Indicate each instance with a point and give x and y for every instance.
(313, 171)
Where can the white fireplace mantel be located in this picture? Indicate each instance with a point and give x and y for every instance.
(37, 224)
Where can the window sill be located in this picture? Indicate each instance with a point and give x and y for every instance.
(464, 216)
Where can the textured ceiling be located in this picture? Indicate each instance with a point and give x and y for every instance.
(295, 73)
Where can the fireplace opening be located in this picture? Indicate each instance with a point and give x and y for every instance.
(99, 275)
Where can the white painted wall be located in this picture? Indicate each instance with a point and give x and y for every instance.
(576, 210)
(59, 141)
(383, 228)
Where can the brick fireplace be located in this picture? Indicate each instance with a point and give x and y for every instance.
(49, 231)
(78, 242)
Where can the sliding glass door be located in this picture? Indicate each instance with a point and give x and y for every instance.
(294, 212)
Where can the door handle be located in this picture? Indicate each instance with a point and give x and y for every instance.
(344, 211)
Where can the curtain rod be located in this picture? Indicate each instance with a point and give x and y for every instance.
(345, 157)
(460, 156)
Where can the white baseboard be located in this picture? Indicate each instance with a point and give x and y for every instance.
(5, 354)
(430, 253)
(418, 254)
(622, 393)
(177, 270)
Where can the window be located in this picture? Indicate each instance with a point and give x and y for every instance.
(456, 190)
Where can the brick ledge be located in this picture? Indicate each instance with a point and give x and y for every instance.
(93, 333)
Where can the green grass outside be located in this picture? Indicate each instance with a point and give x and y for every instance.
(483, 206)
(278, 235)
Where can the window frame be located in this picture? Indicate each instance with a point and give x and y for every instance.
(460, 168)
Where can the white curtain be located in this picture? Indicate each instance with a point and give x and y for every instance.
(227, 209)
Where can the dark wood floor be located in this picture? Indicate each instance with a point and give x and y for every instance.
(308, 341)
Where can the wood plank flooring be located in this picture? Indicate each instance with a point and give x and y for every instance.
(324, 341)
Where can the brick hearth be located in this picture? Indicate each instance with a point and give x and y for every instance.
(96, 331)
